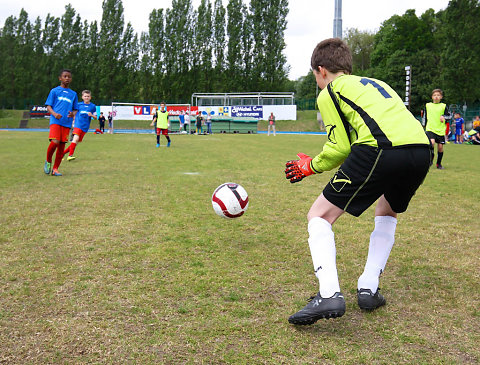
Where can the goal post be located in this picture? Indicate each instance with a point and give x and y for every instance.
(136, 117)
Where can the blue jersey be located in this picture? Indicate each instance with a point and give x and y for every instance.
(63, 101)
(459, 123)
(82, 119)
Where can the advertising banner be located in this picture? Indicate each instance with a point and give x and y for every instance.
(143, 112)
(247, 111)
(39, 111)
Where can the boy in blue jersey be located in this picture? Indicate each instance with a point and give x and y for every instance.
(459, 126)
(383, 154)
(62, 104)
(86, 111)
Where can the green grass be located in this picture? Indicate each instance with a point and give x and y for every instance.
(122, 260)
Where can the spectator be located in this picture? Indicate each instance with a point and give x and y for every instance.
(187, 122)
(101, 121)
(208, 123)
(181, 120)
(199, 123)
(110, 122)
(459, 127)
(271, 124)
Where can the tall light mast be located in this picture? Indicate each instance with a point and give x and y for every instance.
(337, 21)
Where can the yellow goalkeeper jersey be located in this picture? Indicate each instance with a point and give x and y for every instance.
(360, 110)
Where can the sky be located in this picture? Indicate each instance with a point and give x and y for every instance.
(309, 21)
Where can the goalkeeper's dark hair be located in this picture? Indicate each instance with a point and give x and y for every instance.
(64, 70)
(332, 54)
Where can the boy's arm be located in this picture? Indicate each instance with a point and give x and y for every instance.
(55, 115)
(446, 113)
(335, 150)
(338, 145)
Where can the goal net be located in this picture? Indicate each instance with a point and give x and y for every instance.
(137, 117)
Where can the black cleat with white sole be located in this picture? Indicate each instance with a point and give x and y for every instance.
(368, 300)
(318, 308)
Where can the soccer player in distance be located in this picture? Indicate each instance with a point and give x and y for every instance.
(383, 154)
(161, 122)
(435, 115)
(86, 111)
(62, 104)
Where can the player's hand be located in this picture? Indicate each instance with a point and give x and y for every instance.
(296, 170)
(71, 114)
(57, 116)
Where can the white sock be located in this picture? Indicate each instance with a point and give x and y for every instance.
(381, 243)
(322, 247)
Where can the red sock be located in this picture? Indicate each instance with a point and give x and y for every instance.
(72, 148)
(59, 155)
(67, 150)
(50, 151)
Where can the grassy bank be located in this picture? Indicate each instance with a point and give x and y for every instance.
(306, 122)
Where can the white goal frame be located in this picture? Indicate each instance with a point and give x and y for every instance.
(157, 105)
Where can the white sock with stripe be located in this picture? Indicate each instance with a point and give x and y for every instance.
(381, 243)
(322, 248)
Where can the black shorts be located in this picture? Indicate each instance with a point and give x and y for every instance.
(436, 137)
(369, 172)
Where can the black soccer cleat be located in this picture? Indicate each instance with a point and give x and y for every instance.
(369, 301)
(318, 308)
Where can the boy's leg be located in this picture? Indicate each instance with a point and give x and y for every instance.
(329, 302)
(59, 155)
(47, 168)
(439, 155)
(51, 150)
(381, 243)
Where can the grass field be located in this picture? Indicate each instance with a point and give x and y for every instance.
(122, 260)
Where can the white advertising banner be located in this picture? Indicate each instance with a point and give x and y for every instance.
(261, 112)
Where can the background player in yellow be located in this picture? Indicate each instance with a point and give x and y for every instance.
(161, 122)
(435, 115)
(384, 155)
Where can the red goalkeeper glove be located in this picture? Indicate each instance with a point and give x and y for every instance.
(296, 170)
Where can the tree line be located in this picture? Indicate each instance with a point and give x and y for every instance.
(213, 48)
(443, 49)
(232, 48)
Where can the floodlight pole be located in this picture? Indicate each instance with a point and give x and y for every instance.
(408, 86)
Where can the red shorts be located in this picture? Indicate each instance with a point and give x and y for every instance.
(162, 131)
(447, 128)
(79, 133)
(58, 132)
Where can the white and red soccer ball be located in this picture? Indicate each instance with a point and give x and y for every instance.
(230, 200)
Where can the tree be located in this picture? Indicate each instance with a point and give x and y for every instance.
(361, 45)
(219, 42)
(111, 31)
(405, 40)
(203, 46)
(234, 62)
(268, 27)
(154, 58)
(460, 55)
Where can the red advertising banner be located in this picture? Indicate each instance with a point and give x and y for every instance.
(175, 110)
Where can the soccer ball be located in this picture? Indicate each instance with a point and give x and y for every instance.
(230, 200)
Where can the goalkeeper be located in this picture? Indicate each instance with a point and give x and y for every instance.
(383, 154)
